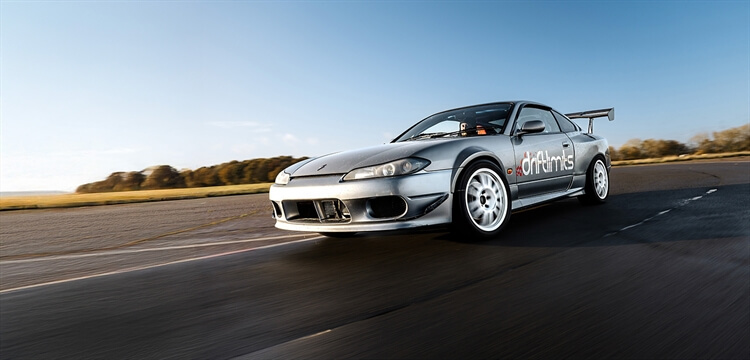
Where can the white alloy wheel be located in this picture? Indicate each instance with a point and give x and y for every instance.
(601, 180)
(486, 199)
(597, 183)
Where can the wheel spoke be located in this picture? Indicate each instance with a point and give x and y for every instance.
(486, 219)
(474, 189)
(476, 212)
(485, 179)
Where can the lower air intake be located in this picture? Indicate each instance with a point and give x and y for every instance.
(386, 207)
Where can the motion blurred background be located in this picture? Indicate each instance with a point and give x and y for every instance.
(90, 88)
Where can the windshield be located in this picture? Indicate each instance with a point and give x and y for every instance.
(471, 121)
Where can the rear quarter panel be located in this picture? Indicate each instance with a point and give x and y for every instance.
(587, 146)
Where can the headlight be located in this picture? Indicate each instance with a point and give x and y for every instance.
(393, 168)
(282, 178)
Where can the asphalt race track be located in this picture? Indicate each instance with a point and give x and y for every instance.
(662, 270)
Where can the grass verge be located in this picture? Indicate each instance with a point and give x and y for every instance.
(124, 197)
(680, 158)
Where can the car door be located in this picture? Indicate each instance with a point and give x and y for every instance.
(544, 160)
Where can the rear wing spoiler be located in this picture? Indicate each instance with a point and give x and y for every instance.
(593, 114)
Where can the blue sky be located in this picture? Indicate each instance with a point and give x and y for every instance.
(89, 88)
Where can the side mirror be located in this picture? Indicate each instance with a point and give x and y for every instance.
(530, 127)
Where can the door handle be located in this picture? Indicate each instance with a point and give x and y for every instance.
(566, 144)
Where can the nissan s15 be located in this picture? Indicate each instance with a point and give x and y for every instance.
(468, 167)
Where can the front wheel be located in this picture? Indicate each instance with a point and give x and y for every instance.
(597, 184)
(481, 201)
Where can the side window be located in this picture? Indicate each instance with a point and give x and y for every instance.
(565, 124)
(530, 113)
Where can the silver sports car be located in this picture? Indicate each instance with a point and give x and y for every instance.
(469, 167)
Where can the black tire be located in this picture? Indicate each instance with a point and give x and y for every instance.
(339, 235)
(481, 202)
(597, 183)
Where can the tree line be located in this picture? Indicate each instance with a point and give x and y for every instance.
(166, 177)
(265, 170)
(730, 140)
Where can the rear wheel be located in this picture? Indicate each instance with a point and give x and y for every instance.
(481, 201)
(597, 183)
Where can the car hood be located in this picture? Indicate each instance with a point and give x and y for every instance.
(343, 162)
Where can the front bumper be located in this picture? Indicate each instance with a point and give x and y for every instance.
(325, 204)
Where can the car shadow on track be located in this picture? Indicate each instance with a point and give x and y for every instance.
(567, 223)
(711, 225)
(645, 217)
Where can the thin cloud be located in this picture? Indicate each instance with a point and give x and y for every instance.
(257, 127)
(117, 151)
(244, 149)
(290, 139)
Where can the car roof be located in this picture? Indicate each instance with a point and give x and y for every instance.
(514, 102)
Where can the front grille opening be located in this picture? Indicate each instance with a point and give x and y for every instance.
(306, 210)
(386, 207)
(333, 210)
(300, 210)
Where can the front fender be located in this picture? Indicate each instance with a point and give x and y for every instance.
(466, 156)
(457, 154)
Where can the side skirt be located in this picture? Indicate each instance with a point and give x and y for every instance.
(577, 188)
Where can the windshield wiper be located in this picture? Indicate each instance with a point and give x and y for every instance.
(430, 135)
(467, 132)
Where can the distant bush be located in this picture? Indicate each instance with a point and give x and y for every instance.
(730, 140)
(166, 177)
(163, 177)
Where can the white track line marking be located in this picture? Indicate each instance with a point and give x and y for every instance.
(314, 335)
(631, 226)
(132, 251)
(156, 265)
(681, 203)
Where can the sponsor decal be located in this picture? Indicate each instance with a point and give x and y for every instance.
(540, 162)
